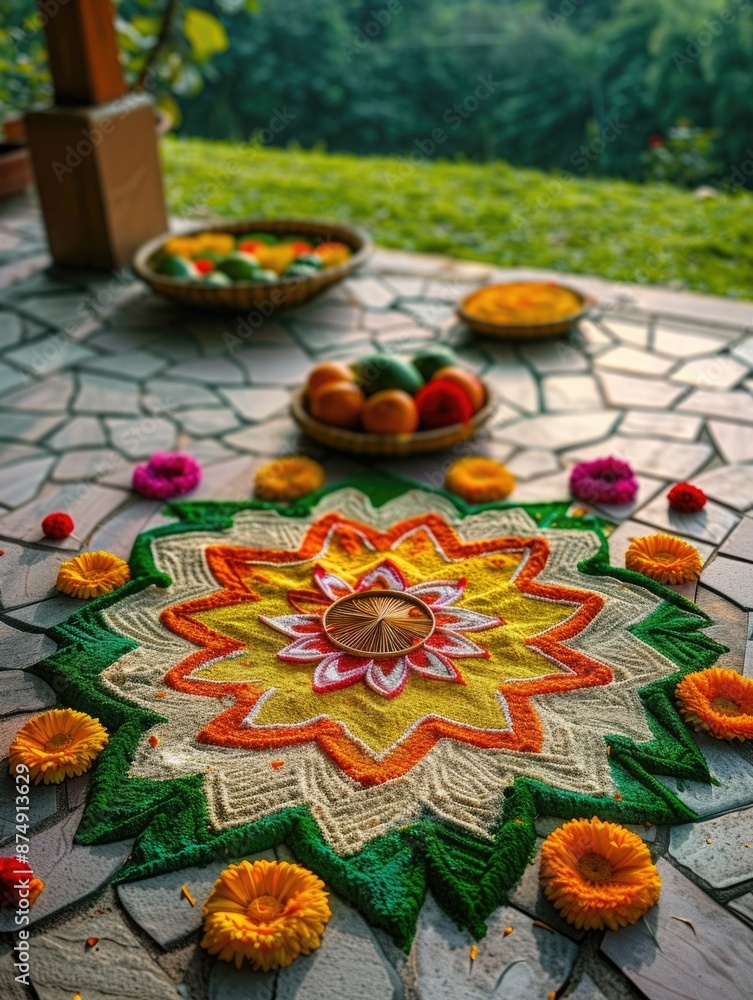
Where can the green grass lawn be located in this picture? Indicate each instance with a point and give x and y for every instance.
(650, 233)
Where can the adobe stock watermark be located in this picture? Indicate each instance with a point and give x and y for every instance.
(454, 116)
(22, 879)
(373, 28)
(711, 29)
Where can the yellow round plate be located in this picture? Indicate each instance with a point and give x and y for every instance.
(516, 330)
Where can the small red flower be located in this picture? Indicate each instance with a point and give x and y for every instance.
(655, 141)
(57, 525)
(204, 265)
(441, 402)
(686, 499)
(12, 871)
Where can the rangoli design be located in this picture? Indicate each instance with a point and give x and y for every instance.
(390, 682)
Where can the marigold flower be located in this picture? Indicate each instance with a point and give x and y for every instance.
(11, 870)
(604, 480)
(479, 480)
(719, 701)
(57, 744)
(92, 574)
(288, 478)
(686, 499)
(268, 912)
(598, 874)
(167, 474)
(664, 558)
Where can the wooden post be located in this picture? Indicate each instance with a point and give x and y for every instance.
(95, 151)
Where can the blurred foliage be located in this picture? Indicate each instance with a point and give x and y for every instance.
(511, 217)
(684, 157)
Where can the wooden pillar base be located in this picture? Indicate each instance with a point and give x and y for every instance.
(98, 178)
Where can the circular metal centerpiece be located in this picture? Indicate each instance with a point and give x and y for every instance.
(378, 623)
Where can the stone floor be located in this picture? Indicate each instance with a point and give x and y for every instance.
(96, 373)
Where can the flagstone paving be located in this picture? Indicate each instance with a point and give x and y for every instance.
(95, 373)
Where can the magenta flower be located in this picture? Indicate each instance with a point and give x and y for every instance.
(605, 480)
(167, 474)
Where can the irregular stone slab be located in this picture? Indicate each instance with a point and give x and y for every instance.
(636, 362)
(42, 804)
(744, 906)
(10, 453)
(587, 990)
(9, 726)
(86, 464)
(133, 364)
(683, 344)
(208, 422)
(730, 626)
(631, 333)
(49, 355)
(515, 384)
(51, 394)
(711, 524)
(532, 463)
(648, 455)
(102, 394)
(713, 958)
(740, 542)
(141, 438)
(731, 577)
(340, 314)
(571, 392)
(29, 427)
(735, 405)
(27, 575)
(87, 503)
(119, 532)
(157, 905)
(731, 770)
(166, 395)
(370, 293)
(11, 378)
(731, 485)
(744, 351)
(22, 692)
(11, 329)
(257, 404)
(22, 649)
(228, 983)
(718, 373)
(81, 431)
(631, 390)
(591, 337)
(349, 963)
(560, 430)
(548, 356)
(274, 365)
(116, 967)
(527, 963)
(657, 423)
(529, 897)
(213, 371)
(718, 850)
(23, 480)
(56, 310)
(734, 441)
(275, 437)
(553, 487)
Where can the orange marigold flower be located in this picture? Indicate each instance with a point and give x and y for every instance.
(288, 478)
(479, 480)
(719, 701)
(664, 558)
(268, 912)
(598, 874)
(92, 574)
(57, 744)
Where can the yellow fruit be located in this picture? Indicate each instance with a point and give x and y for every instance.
(390, 411)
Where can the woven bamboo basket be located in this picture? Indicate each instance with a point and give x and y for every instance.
(526, 331)
(389, 445)
(246, 296)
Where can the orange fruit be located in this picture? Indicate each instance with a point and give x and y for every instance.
(337, 403)
(390, 411)
(470, 384)
(327, 371)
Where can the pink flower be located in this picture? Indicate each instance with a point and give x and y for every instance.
(605, 480)
(338, 669)
(166, 475)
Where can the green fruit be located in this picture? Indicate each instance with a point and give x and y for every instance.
(298, 270)
(310, 260)
(177, 267)
(269, 238)
(240, 266)
(382, 371)
(217, 279)
(434, 358)
(266, 275)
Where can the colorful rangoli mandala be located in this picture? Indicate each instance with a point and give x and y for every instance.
(388, 681)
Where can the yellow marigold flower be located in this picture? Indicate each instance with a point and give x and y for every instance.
(288, 478)
(57, 744)
(269, 912)
(598, 874)
(664, 558)
(92, 574)
(719, 701)
(479, 480)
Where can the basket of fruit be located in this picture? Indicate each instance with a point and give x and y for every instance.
(524, 309)
(388, 405)
(265, 264)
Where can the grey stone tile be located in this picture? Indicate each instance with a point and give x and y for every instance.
(257, 404)
(24, 692)
(228, 480)
(744, 351)
(123, 342)
(29, 427)
(592, 337)
(10, 453)
(684, 343)
(529, 897)
(11, 329)
(731, 577)
(136, 365)
(586, 990)
(633, 361)
(516, 385)
(631, 333)
(717, 373)
(208, 422)
(102, 394)
(213, 371)
(730, 626)
(382, 322)
(23, 480)
(51, 394)
(734, 776)
(86, 464)
(119, 532)
(275, 437)
(736, 405)
(22, 649)
(648, 455)
(717, 850)
(731, 485)
(559, 431)
(429, 314)
(27, 575)
(744, 906)
(228, 983)
(658, 423)
(274, 365)
(45, 614)
(117, 966)
(341, 314)
(87, 504)
(549, 356)
(712, 524)
(51, 354)
(57, 310)
(141, 438)
(370, 292)
(79, 432)
(535, 462)
(406, 287)
(528, 962)
(206, 451)
(571, 392)
(632, 391)
(734, 441)
(710, 957)
(42, 805)
(166, 395)
(9, 726)
(740, 542)
(553, 487)
(323, 338)
(405, 340)
(11, 378)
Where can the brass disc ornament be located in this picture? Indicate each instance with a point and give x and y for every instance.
(378, 623)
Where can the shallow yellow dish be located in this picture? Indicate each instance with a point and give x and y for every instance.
(523, 309)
